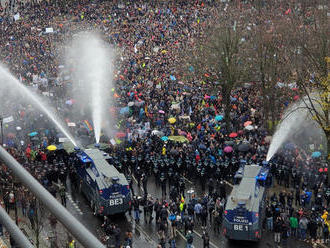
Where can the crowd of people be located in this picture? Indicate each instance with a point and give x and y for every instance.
(174, 129)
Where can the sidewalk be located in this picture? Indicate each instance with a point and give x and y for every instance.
(46, 232)
(24, 225)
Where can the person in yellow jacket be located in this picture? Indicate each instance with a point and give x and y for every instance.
(71, 243)
(326, 226)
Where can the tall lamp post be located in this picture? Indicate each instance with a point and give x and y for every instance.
(1, 122)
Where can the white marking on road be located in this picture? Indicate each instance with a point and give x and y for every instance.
(74, 204)
(228, 183)
(199, 235)
(188, 180)
(137, 183)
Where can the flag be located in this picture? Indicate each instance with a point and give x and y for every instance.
(88, 126)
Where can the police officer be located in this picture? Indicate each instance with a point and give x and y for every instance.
(163, 183)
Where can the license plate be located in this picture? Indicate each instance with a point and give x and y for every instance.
(115, 202)
(241, 228)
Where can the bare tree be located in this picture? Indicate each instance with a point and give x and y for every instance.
(219, 54)
(309, 47)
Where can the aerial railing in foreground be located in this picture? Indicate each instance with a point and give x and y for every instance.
(79, 231)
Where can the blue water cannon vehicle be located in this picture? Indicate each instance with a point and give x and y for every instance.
(245, 207)
(106, 189)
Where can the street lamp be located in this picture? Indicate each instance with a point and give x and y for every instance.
(1, 122)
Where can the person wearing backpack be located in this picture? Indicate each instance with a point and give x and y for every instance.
(190, 239)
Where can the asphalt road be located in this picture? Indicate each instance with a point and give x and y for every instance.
(145, 235)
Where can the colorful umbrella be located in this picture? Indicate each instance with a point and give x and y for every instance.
(316, 154)
(321, 170)
(120, 135)
(180, 139)
(124, 110)
(157, 133)
(33, 134)
(249, 127)
(161, 111)
(233, 135)
(228, 149)
(51, 148)
(172, 120)
(247, 123)
(11, 135)
(219, 118)
(164, 138)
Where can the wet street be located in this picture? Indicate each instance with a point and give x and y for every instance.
(145, 235)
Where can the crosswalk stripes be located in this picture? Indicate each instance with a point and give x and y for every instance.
(74, 204)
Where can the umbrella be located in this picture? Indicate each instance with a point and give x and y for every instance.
(247, 123)
(219, 118)
(321, 170)
(164, 138)
(139, 103)
(18, 128)
(161, 111)
(228, 149)
(180, 139)
(51, 148)
(316, 154)
(172, 120)
(230, 142)
(249, 127)
(296, 97)
(157, 133)
(11, 135)
(67, 146)
(33, 134)
(120, 135)
(233, 135)
(244, 147)
(130, 104)
(124, 110)
(325, 169)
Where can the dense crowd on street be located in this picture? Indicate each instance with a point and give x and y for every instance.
(174, 131)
